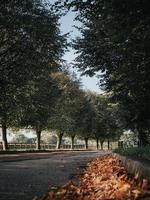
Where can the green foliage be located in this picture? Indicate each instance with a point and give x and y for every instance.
(31, 47)
(39, 103)
(63, 117)
(26, 49)
(85, 117)
(115, 40)
(135, 152)
(98, 118)
(106, 121)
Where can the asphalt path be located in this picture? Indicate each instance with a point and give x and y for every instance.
(24, 176)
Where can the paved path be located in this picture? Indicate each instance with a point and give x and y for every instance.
(23, 178)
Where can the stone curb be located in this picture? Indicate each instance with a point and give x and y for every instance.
(134, 167)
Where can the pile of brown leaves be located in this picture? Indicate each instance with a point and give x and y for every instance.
(104, 179)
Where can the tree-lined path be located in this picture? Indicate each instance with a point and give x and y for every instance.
(40, 94)
(25, 178)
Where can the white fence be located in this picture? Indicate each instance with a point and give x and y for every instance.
(22, 146)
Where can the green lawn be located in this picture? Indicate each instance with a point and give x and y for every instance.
(135, 152)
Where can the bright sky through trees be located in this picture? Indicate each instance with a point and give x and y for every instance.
(67, 22)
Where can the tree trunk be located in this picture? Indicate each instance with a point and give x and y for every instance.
(59, 141)
(72, 142)
(102, 142)
(38, 139)
(4, 137)
(120, 144)
(86, 143)
(108, 144)
(97, 143)
(143, 140)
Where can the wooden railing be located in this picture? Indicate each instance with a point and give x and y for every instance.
(22, 146)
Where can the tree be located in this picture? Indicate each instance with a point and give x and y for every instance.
(116, 38)
(105, 119)
(75, 127)
(99, 122)
(39, 106)
(28, 47)
(85, 119)
(64, 113)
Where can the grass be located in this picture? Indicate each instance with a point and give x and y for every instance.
(135, 152)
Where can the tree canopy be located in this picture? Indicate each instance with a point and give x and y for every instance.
(31, 47)
(115, 41)
(65, 113)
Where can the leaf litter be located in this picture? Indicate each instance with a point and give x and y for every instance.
(104, 178)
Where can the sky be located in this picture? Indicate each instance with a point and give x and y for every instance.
(67, 22)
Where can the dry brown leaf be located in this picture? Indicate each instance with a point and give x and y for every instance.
(104, 179)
